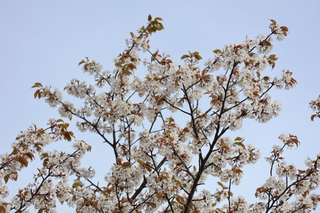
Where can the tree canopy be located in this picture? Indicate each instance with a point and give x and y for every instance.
(167, 127)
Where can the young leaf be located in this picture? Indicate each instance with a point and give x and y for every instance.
(197, 56)
(76, 184)
(37, 94)
(23, 161)
(119, 161)
(81, 62)
(37, 84)
(313, 116)
(126, 164)
(15, 151)
(238, 139)
(59, 120)
(185, 56)
(30, 155)
(6, 178)
(272, 57)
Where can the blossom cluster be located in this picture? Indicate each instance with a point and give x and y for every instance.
(315, 106)
(29, 145)
(290, 181)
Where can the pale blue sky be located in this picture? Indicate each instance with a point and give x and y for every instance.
(43, 41)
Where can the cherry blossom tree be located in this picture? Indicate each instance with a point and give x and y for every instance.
(167, 127)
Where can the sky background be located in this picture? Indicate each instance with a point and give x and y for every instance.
(43, 41)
